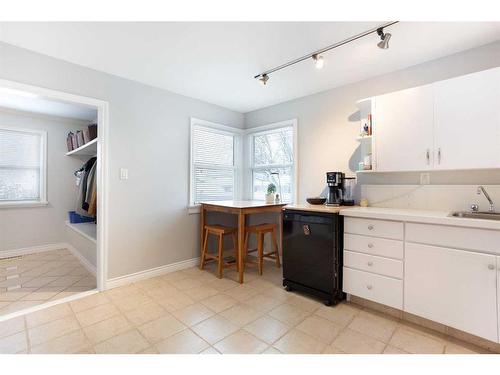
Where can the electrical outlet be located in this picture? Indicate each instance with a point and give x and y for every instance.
(123, 174)
(425, 178)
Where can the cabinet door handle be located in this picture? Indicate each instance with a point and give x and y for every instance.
(370, 245)
(491, 267)
(370, 263)
(428, 156)
(439, 155)
(370, 227)
(369, 287)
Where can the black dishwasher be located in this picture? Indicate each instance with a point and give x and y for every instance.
(312, 254)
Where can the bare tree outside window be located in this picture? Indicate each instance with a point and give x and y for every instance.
(273, 152)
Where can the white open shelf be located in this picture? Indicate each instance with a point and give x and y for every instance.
(364, 138)
(87, 230)
(88, 149)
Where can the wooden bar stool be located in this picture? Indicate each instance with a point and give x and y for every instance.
(260, 230)
(219, 231)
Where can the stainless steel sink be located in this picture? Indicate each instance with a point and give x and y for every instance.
(476, 215)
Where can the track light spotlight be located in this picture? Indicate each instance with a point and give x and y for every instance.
(384, 39)
(263, 79)
(319, 62)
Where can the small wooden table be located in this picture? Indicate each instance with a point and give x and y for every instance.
(241, 209)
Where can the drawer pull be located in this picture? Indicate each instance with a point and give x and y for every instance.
(491, 267)
(370, 227)
(369, 287)
(370, 245)
(370, 263)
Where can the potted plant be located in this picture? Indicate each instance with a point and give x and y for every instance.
(271, 190)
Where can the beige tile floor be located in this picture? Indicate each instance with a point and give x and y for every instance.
(191, 311)
(34, 279)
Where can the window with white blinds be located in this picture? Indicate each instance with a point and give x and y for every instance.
(273, 155)
(213, 172)
(22, 166)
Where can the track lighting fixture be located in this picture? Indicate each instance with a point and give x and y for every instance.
(263, 79)
(319, 61)
(384, 38)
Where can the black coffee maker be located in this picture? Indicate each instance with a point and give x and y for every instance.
(335, 182)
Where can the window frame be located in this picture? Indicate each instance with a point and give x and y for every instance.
(42, 200)
(237, 152)
(268, 129)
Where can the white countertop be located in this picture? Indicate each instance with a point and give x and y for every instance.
(315, 208)
(418, 216)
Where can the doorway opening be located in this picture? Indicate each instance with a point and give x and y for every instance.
(53, 181)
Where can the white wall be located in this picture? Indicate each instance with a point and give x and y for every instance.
(25, 227)
(328, 123)
(149, 134)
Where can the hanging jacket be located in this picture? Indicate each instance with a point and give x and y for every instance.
(81, 200)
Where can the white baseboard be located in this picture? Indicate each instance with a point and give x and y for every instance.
(31, 250)
(88, 266)
(146, 274)
(45, 305)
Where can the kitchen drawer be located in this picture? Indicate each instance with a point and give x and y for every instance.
(381, 289)
(373, 227)
(374, 246)
(370, 263)
(454, 237)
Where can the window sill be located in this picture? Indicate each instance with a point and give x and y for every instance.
(25, 204)
(194, 210)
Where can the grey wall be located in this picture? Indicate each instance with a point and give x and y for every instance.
(25, 227)
(328, 122)
(149, 134)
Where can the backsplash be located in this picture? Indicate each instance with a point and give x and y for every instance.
(429, 197)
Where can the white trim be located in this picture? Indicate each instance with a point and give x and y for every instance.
(23, 204)
(31, 250)
(85, 263)
(45, 305)
(237, 134)
(194, 209)
(102, 162)
(223, 128)
(264, 129)
(152, 272)
(268, 127)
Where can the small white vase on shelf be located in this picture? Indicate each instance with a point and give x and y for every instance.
(269, 198)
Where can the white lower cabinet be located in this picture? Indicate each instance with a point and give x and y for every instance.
(454, 287)
(498, 295)
(385, 290)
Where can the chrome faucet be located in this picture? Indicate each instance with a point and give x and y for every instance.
(481, 189)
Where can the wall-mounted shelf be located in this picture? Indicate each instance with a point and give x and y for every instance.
(364, 138)
(88, 149)
(366, 147)
(87, 230)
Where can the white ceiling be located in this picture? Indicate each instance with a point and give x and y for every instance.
(27, 102)
(216, 62)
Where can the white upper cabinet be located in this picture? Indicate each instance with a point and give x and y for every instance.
(403, 130)
(467, 121)
(451, 124)
(453, 287)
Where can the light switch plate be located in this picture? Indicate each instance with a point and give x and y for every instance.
(123, 174)
(425, 178)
